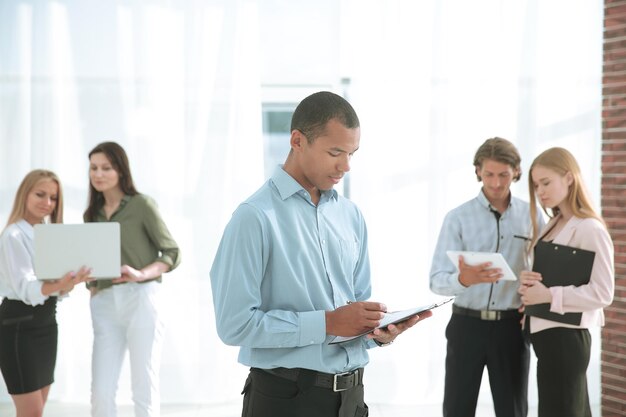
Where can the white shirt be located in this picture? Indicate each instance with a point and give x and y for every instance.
(17, 274)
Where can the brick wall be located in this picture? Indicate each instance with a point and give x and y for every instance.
(614, 203)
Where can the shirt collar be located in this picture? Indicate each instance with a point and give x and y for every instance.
(288, 186)
(482, 199)
(123, 202)
(27, 228)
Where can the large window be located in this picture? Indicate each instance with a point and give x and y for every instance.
(276, 133)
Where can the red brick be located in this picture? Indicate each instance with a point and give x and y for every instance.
(613, 180)
(610, 386)
(611, 157)
(612, 4)
(614, 8)
(614, 67)
(611, 390)
(614, 169)
(609, 136)
(614, 113)
(613, 195)
(614, 87)
(614, 79)
(611, 408)
(612, 146)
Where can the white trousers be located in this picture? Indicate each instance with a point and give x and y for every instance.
(124, 317)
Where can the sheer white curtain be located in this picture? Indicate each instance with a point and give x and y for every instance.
(180, 86)
(177, 84)
(431, 81)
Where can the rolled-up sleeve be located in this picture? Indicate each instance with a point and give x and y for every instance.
(161, 236)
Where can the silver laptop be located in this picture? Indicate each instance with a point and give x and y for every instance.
(60, 248)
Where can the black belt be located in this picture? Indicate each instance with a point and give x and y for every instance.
(336, 382)
(489, 315)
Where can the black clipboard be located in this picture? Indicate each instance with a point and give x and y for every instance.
(560, 265)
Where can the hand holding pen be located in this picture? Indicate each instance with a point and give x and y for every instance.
(355, 318)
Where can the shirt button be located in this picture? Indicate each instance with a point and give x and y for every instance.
(323, 241)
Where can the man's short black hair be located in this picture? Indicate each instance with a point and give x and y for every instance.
(316, 110)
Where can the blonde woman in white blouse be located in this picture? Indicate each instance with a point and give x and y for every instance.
(28, 328)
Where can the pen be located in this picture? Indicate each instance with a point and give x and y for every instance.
(521, 237)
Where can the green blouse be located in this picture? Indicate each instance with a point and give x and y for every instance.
(144, 236)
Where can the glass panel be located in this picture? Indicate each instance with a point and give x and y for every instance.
(276, 134)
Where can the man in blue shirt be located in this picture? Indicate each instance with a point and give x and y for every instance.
(485, 328)
(292, 271)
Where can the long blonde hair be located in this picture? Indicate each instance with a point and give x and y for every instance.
(561, 161)
(30, 180)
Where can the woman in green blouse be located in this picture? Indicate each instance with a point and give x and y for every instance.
(125, 310)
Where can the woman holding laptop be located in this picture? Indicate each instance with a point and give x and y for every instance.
(28, 328)
(125, 311)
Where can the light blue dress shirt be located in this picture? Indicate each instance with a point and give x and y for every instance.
(282, 263)
(473, 227)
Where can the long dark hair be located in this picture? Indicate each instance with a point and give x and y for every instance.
(119, 161)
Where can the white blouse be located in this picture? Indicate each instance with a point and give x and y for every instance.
(17, 274)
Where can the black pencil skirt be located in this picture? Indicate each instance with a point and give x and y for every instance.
(28, 345)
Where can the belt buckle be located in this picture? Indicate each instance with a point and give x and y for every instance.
(489, 315)
(335, 389)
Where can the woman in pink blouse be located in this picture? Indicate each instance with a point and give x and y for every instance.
(563, 350)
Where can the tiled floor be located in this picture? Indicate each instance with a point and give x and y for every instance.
(233, 410)
(226, 410)
(55, 409)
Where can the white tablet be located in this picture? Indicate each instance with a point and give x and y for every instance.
(475, 258)
(394, 317)
(61, 248)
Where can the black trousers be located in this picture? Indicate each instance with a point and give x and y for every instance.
(267, 395)
(499, 345)
(562, 361)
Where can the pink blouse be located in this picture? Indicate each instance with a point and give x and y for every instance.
(589, 234)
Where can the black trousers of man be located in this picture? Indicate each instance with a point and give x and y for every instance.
(502, 347)
(268, 395)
